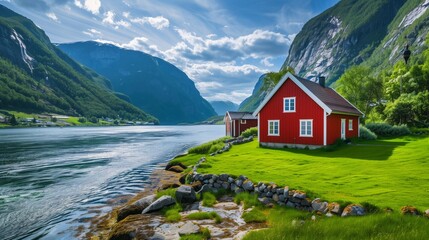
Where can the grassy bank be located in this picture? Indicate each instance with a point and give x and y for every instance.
(388, 173)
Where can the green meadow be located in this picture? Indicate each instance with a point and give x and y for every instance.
(387, 173)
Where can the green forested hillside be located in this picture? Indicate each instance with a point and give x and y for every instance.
(35, 76)
(152, 84)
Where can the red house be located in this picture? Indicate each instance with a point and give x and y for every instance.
(238, 122)
(300, 113)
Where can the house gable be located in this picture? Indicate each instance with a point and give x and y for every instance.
(289, 122)
(290, 76)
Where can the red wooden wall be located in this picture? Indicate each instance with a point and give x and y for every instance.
(334, 127)
(305, 108)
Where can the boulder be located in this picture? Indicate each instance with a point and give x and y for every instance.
(223, 177)
(160, 203)
(353, 210)
(334, 208)
(275, 197)
(186, 194)
(189, 228)
(176, 168)
(248, 185)
(135, 208)
(170, 165)
(427, 213)
(409, 210)
(299, 195)
(265, 201)
(319, 206)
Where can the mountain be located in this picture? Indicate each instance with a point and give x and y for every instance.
(258, 94)
(152, 84)
(221, 107)
(35, 76)
(358, 32)
(364, 32)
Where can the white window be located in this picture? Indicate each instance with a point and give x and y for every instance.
(289, 104)
(273, 127)
(306, 128)
(350, 124)
(243, 121)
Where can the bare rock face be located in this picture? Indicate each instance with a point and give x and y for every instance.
(162, 202)
(353, 210)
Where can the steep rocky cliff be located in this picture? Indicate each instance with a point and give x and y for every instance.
(354, 32)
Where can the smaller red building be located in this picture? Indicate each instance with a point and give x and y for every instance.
(238, 122)
(300, 113)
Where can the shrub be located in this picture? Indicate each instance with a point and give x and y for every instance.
(254, 215)
(208, 199)
(386, 130)
(216, 147)
(250, 132)
(366, 134)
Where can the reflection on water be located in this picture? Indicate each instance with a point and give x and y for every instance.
(50, 178)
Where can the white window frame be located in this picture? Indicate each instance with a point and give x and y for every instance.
(278, 127)
(306, 126)
(284, 104)
(243, 121)
(350, 124)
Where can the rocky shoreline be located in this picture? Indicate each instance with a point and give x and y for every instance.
(129, 222)
(144, 216)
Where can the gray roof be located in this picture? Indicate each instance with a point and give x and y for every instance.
(330, 97)
(241, 115)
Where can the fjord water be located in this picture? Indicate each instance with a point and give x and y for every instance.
(54, 180)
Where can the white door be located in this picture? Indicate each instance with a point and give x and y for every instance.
(343, 129)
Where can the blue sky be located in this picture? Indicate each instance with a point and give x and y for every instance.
(223, 46)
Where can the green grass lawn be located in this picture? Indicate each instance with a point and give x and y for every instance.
(286, 223)
(388, 173)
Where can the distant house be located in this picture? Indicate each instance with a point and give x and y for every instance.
(300, 113)
(238, 122)
(2, 119)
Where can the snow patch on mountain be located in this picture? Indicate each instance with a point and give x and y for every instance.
(25, 57)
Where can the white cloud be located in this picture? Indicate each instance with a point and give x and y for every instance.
(266, 62)
(126, 14)
(92, 33)
(206, 87)
(92, 6)
(109, 18)
(233, 96)
(52, 16)
(158, 22)
(259, 44)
